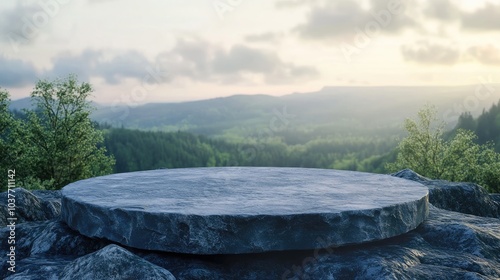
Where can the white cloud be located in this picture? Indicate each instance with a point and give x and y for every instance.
(268, 37)
(202, 61)
(443, 10)
(341, 19)
(486, 18)
(196, 60)
(485, 54)
(426, 52)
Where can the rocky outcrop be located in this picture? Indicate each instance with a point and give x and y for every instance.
(466, 198)
(236, 210)
(113, 263)
(448, 245)
(31, 206)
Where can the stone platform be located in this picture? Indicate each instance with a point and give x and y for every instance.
(234, 210)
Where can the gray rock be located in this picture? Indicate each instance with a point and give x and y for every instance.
(113, 262)
(36, 206)
(39, 267)
(447, 245)
(36, 240)
(51, 237)
(52, 200)
(244, 209)
(466, 198)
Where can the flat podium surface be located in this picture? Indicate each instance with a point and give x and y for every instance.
(234, 210)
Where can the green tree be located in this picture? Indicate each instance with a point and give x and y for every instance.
(5, 119)
(422, 150)
(466, 121)
(7, 126)
(61, 144)
(472, 162)
(459, 159)
(12, 149)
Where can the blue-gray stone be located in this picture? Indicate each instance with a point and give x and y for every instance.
(31, 206)
(461, 197)
(447, 245)
(243, 209)
(113, 263)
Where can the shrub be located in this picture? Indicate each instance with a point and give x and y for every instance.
(459, 159)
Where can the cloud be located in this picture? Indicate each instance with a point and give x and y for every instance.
(199, 60)
(270, 37)
(80, 64)
(109, 65)
(341, 19)
(486, 18)
(195, 59)
(487, 54)
(241, 59)
(431, 53)
(130, 64)
(293, 3)
(16, 22)
(396, 13)
(16, 73)
(100, 1)
(188, 59)
(22, 22)
(334, 19)
(443, 10)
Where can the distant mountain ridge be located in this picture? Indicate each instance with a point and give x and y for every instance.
(25, 103)
(20, 104)
(329, 110)
(332, 108)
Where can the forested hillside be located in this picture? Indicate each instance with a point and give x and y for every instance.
(142, 150)
(486, 126)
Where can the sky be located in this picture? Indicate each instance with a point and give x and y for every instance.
(137, 52)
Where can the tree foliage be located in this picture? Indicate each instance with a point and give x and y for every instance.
(458, 159)
(57, 142)
(486, 126)
(422, 150)
(7, 125)
(142, 150)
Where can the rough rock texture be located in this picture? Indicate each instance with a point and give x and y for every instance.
(31, 206)
(113, 262)
(243, 209)
(448, 245)
(466, 198)
(48, 238)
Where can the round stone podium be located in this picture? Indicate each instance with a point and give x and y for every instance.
(234, 210)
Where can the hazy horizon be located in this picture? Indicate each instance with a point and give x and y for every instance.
(136, 53)
(488, 98)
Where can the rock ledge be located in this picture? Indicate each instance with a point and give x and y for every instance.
(243, 209)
